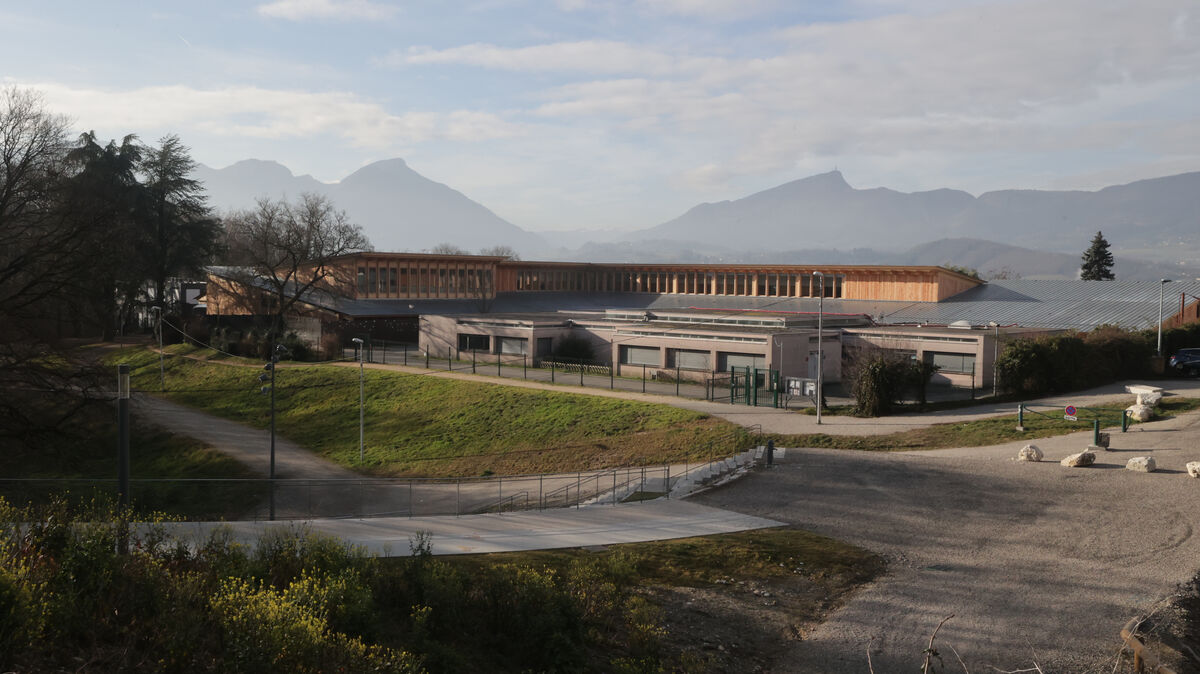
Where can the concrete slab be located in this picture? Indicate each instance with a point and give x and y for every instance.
(535, 530)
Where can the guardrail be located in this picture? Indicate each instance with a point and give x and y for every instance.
(1097, 416)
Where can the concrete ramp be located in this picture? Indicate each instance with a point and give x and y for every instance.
(660, 519)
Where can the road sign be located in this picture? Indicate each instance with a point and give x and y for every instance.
(1070, 417)
(1070, 410)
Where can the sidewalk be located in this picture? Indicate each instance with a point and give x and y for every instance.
(540, 530)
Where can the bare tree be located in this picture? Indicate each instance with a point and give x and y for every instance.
(447, 249)
(289, 250)
(41, 251)
(506, 252)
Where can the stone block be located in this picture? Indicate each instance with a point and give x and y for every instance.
(1142, 464)
(1030, 453)
(1079, 460)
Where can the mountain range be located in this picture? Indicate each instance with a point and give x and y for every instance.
(1151, 224)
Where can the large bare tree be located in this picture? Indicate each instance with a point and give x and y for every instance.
(288, 250)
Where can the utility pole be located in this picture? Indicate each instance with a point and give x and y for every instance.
(162, 378)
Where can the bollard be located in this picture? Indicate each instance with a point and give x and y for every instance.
(427, 360)
(1021, 417)
(643, 379)
(1095, 431)
(581, 373)
(525, 366)
(611, 367)
(770, 452)
(472, 361)
(1124, 420)
(498, 365)
(551, 372)
(676, 379)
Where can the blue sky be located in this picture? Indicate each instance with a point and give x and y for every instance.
(618, 114)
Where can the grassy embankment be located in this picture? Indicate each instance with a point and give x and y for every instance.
(80, 458)
(421, 425)
(984, 432)
(307, 604)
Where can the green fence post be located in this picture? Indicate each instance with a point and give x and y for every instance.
(1095, 431)
(1124, 420)
(611, 375)
(551, 372)
(472, 361)
(426, 359)
(406, 354)
(525, 366)
(581, 373)
(497, 365)
(643, 379)
(677, 378)
(754, 384)
(732, 376)
(1021, 417)
(449, 363)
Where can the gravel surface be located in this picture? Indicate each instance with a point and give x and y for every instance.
(1038, 563)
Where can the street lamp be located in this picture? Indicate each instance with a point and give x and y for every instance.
(361, 398)
(820, 328)
(276, 354)
(1161, 283)
(995, 359)
(162, 379)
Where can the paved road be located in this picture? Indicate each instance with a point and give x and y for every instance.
(1039, 563)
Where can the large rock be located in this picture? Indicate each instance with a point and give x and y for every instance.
(1142, 464)
(1105, 440)
(1030, 453)
(1193, 468)
(1079, 460)
(1140, 412)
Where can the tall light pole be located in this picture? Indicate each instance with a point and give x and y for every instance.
(820, 333)
(276, 354)
(361, 399)
(995, 359)
(162, 378)
(1161, 283)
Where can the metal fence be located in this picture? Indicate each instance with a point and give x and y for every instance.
(250, 499)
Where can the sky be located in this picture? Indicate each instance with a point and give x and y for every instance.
(622, 114)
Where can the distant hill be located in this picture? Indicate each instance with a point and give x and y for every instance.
(823, 211)
(398, 208)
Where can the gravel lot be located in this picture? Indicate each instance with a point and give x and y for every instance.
(1038, 563)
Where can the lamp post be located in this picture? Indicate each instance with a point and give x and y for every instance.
(995, 359)
(820, 328)
(276, 353)
(361, 398)
(162, 379)
(1161, 284)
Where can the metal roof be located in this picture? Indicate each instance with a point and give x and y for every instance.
(1064, 304)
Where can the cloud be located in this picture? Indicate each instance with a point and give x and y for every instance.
(255, 112)
(588, 56)
(300, 10)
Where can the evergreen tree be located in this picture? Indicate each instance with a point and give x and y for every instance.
(1097, 261)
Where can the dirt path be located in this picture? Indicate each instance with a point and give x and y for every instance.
(1039, 563)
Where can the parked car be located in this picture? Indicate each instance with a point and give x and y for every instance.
(1187, 361)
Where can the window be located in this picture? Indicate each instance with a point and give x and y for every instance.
(468, 342)
(373, 280)
(545, 346)
(951, 363)
(395, 278)
(362, 279)
(725, 361)
(640, 355)
(513, 346)
(687, 360)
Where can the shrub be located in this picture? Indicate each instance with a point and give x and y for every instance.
(1073, 361)
(879, 380)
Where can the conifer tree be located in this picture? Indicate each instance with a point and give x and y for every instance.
(1097, 261)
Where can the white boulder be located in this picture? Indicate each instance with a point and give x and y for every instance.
(1140, 412)
(1142, 464)
(1030, 453)
(1193, 468)
(1079, 460)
